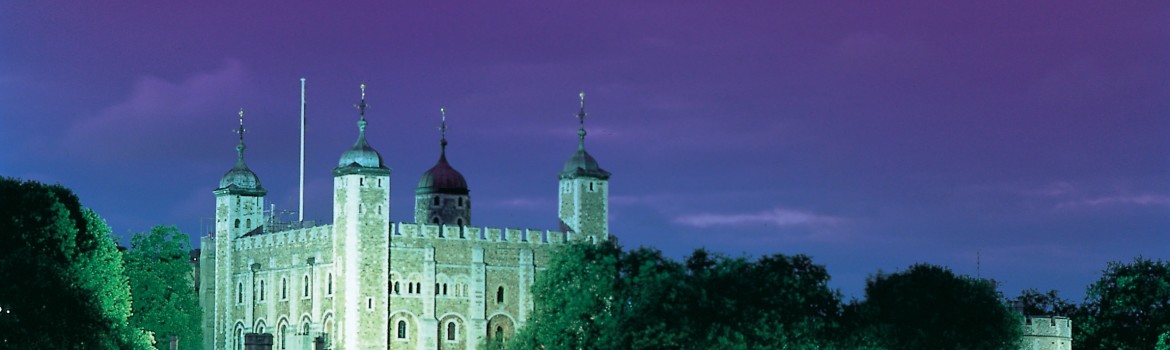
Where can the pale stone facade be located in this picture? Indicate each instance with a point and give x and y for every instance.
(364, 282)
(1047, 333)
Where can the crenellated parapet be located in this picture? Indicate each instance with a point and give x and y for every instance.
(303, 236)
(419, 231)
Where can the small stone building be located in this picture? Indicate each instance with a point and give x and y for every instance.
(1047, 333)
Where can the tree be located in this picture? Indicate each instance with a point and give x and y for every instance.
(929, 307)
(1128, 308)
(162, 282)
(599, 297)
(1034, 303)
(61, 274)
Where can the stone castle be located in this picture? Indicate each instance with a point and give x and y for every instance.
(364, 282)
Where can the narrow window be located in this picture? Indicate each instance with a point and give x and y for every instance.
(590, 186)
(306, 292)
(370, 303)
(444, 289)
(359, 208)
(395, 287)
(499, 332)
(283, 288)
(418, 287)
(283, 339)
(361, 181)
(379, 182)
(240, 293)
(459, 221)
(460, 202)
(237, 223)
(305, 327)
(249, 224)
(401, 329)
(435, 220)
(329, 286)
(451, 330)
(261, 290)
(500, 295)
(410, 288)
(436, 289)
(436, 199)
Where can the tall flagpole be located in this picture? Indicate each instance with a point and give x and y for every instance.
(301, 205)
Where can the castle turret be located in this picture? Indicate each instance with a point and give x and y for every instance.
(361, 212)
(583, 204)
(442, 197)
(239, 210)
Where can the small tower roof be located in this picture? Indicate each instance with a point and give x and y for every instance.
(361, 155)
(581, 164)
(442, 178)
(240, 177)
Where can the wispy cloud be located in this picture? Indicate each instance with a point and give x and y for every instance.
(776, 216)
(1139, 200)
(162, 117)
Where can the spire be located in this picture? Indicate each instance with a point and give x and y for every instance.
(581, 117)
(443, 132)
(240, 147)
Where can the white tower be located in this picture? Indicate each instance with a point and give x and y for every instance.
(583, 204)
(239, 210)
(361, 243)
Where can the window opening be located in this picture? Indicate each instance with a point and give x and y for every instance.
(451, 330)
(329, 285)
(237, 223)
(436, 200)
(306, 292)
(261, 290)
(500, 295)
(401, 329)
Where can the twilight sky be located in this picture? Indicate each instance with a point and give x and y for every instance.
(869, 136)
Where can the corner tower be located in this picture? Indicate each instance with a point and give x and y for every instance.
(583, 204)
(361, 242)
(239, 210)
(442, 197)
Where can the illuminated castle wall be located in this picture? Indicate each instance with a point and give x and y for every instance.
(364, 282)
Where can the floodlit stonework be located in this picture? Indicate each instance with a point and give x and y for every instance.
(364, 282)
(1047, 333)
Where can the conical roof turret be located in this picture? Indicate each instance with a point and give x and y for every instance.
(581, 164)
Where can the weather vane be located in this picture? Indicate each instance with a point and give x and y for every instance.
(362, 106)
(241, 130)
(443, 126)
(581, 115)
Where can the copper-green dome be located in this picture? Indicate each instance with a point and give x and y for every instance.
(583, 164)
(361, 154)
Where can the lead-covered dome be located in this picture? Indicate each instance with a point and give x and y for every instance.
(583, 164)
(240, 177)
(442, 178)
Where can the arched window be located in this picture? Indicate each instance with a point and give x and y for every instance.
(500, 295)
(240, 337)
(261, 290)
(237, 223)
(282, 338)
(305, 327)
(436, 200)
(306, 289)
(418, 287)
(329, 286)
(451, 330)
(401, 329)
(395, 287)
(410, 288)
(499, 332)
(249, 224)
(444, 289)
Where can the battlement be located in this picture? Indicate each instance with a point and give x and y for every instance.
(1048, 326)
(322, 233)
(484, 234)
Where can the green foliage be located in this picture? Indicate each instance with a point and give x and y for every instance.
(929, 307)
(1128, 308)
(599, 297)
(61, 274)
(162, 282)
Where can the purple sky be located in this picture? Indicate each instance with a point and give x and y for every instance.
(868, 136)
